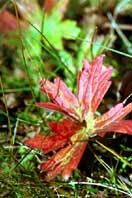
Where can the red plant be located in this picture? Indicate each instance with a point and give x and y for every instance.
(7, 22)
(72, 135)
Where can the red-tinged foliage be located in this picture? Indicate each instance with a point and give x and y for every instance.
(123, 126)
(115, 114)
(7, 22)
(66, 128)
(64, 161)
(93, 83)
(54, 162)
(47, 143)
(74, 161)
(62, 5)
(49, 105)
(63, 132)
(63, 99)
(49, 5)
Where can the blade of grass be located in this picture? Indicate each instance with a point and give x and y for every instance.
(7, 112)
(107, 48)
(22, 48)
(100, 185)
(120, 33)
(114, 153)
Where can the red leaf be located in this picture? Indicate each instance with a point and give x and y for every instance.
(63, 130)
(52, 173)
(62, 162)
(53, 166)
(47, 143)
(7, 22)
(52, 106)
(74, 161)
(61, 6)
(113, 115)
(123, 126)
(93, 79)
(82, 81)
(49, 5)
(65, 93)
(48, 88)
(62, 97)
(92, 84)
(66, 128)
(102, 87)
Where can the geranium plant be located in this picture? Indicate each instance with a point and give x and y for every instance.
(71, 135)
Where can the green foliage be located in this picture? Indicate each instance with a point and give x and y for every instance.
(45, 33)
(55, 29)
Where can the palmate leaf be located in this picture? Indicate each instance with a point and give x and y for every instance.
(50, 28)
(54, 28)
